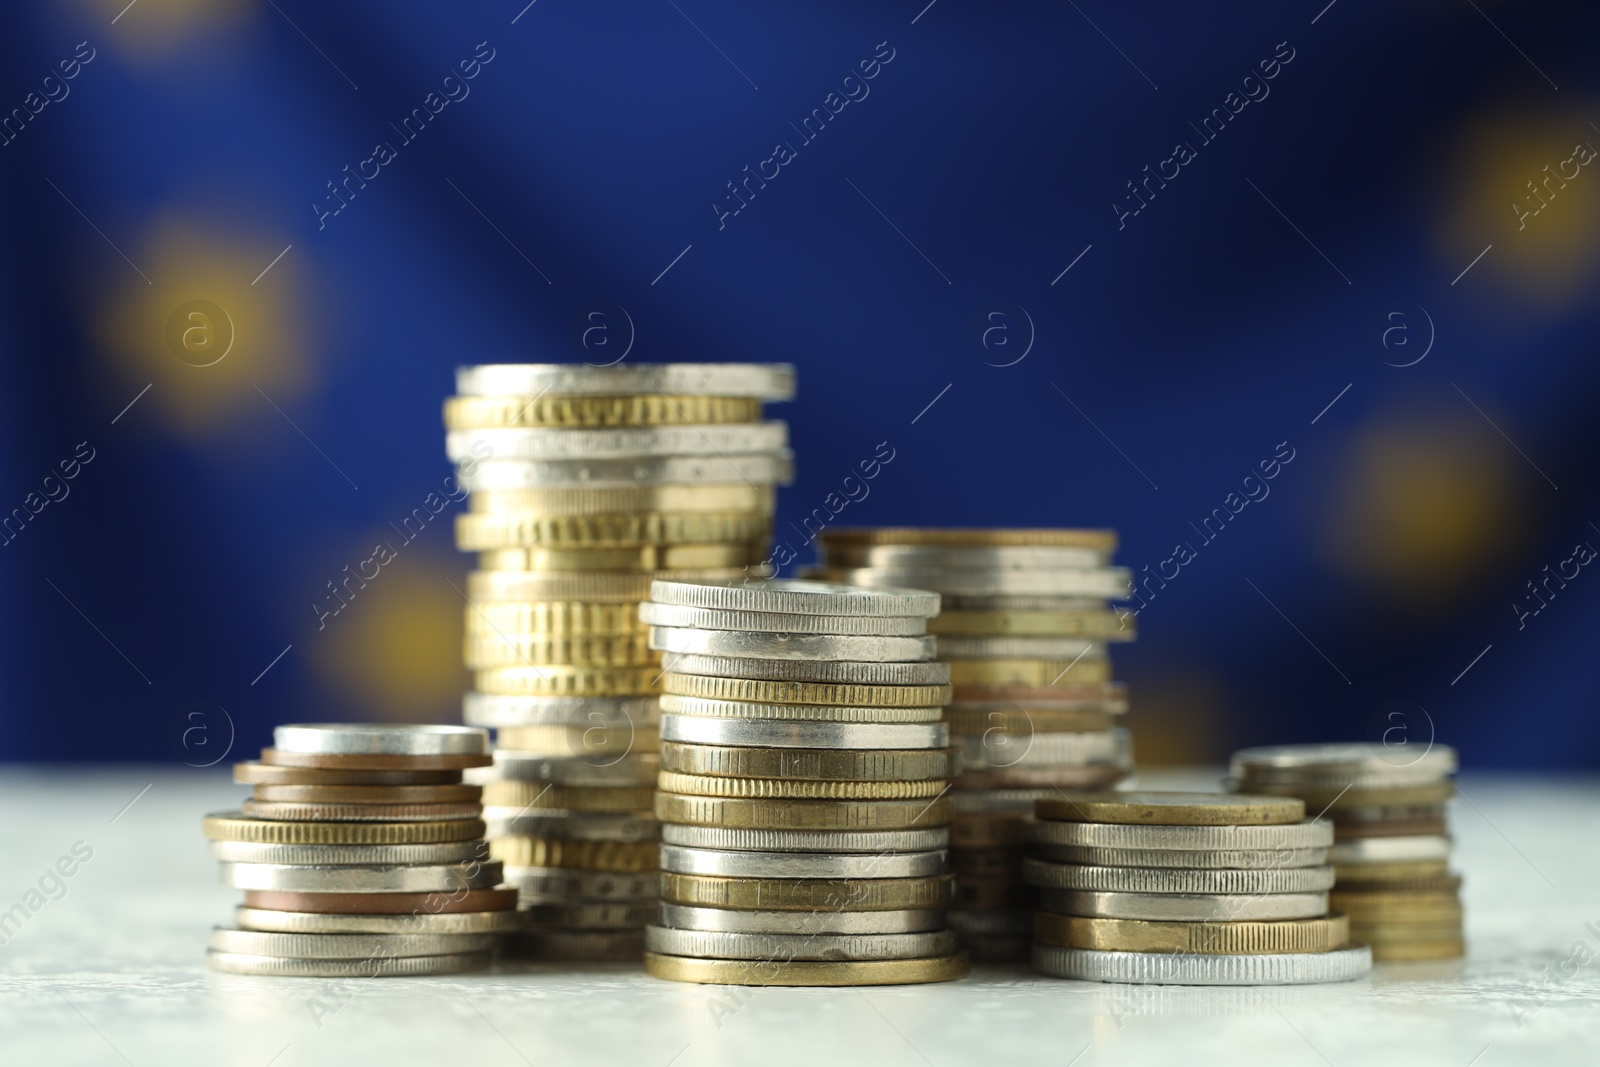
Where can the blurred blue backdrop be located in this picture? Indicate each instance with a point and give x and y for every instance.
(1078, 264)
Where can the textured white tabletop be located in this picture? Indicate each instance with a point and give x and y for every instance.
(112, 970)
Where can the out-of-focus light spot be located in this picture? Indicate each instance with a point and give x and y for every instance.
(1520, 184)
(149, 30)
(201, 332)
(395, 649)
(1176, 719)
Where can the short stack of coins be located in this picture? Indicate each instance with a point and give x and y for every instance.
(802, 791)
(1187, 889)
(361, 854)
(1391, 850)
(1024, 624)
(586, 481)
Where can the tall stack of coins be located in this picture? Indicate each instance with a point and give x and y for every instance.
(1391, 851)
(586, 481)
(1188, 889)
(361, 854)
(802, 789)
(1024, 626)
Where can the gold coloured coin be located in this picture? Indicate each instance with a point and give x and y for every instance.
(1021, 723)
(1379, 875)
(604, 741)
(1207, 938)
(756, 691)
(1173, 809)
(644, 558)
(744, 813)
(233, 826)
(796, 788)
(524, 586)
(256, 773)
(595, 412)
(990, 830)
(482, 532)
(538, 795)
(1032, 672)
(806, 972)
(1335, 800)
(555, 618)
(628, 857)
(1094, 625)
(370, 794)
(1444, 883)
(758, 499)
(287, 811)
(819, 764)
(1101, 696)
(560, 681)
(510, 650)
(1096, 777)
(808, 894)
(372, 761)
(1104, 540)
(1415, 951)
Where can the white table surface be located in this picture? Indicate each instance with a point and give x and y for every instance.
(113, 971)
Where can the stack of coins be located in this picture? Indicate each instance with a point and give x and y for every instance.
(1391, 851)
(802, 788)
(1188, 889)
(1024, 625)
(361, 854)
(585, 481)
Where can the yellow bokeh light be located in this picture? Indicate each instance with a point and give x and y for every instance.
(150, 30)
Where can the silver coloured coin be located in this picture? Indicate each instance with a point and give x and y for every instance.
(402, 966)
(610, 443)
(562, 885)
(680, 860)
(487, 709)
(1211, 838)
(1185, 907)
(1108, 583)
(371, 739)
(655, 614)
(981, 558)
(570, 825)
(793, 597)
(1073, 648)
(717, 945)
(752, 645)
(1112, 698)
(424, 922)
(1188, 968)
(344, 946)
(590, 946)
(999, 748)
(949, 602)
(735, 709)
(821, 921)
(1390, 850)
(871, 841)
(697, 730)
(635, 768)
(1005, 922)
(999, 801)
(371, 879)
(762, 381)
(788, 670)
(584, 915)
(1177, 879)
(454, 852)
(1255, 859)
(751, 468)
(1344, 758)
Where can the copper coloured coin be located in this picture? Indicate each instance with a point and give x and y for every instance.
(257, 773)
(366, 761)
(383, 903)
(371, 794)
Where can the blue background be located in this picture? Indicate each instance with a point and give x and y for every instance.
(1310, 249)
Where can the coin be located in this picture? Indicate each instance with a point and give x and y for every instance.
(1029, 672)
(627, 798)
(1240, 859)
(1443, 883)
(592, 915)
(1107, 583)
(785, 623)
(369, 794)
(570, 825)
(766, 691)
(370, 762)
(349, 855)
(1017, 922)
(1010, 720)
(255, 773)
(992, 830)
(559, 885)
(484, 709)
(998, 749)
(573, 586)
(629, 500)
(727, 920)
(305, 922)
(299, 878)
(993, 893)
(854, 765)
(623, 856)
(1098, 625)
(987, 863)
(763, 381)
(1224, 938)
(570, 681)
(1351, 759)
(1380, 875)
(1098, 540)
(830, 671)
(1015, 803)
(759, 733)
(1173, 809)
(1338, 965)
(573, 443)
(588, 946)
(371, 739)
(726, 945)
(599, 743)
(1097, 776)
(323, 946)
(471, 412)
(1293, 835)
(805, 972)
(963, 558)
(1177, 879)
(1009, 647)
(1340, 799)
(744, 864)
(807, 894)
(552, 618)
(793, 597)
(232, 826)
(637, 768)
(1186, 907)
(461, 900)
(1064, 695)
(806, 648)
(751, 468)
(735, 709)
(487, 531)
(1443, 949)
(1360, 823)
(799, 788)
(293, 812)
(510, 650)
(874, 841)
(1391, 849)
(376, 967)
(771, 814)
